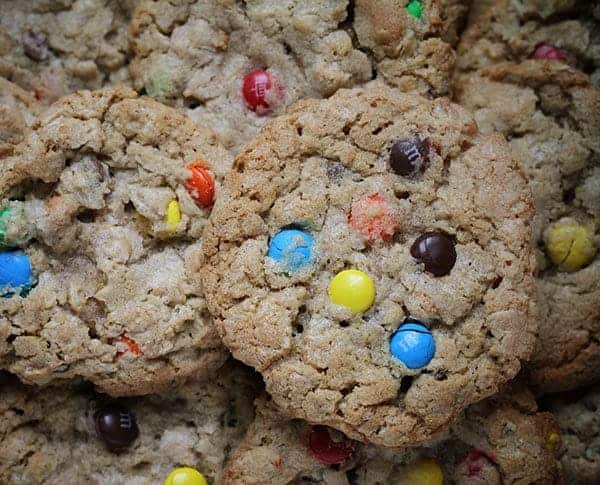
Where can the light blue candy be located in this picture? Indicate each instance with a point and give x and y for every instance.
(413, 345)
(292, 248)
(15, 273)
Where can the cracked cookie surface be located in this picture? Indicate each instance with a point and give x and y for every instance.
(18, 109)
(100, 202)
(49, 436)
(197, 53)
(324, 363)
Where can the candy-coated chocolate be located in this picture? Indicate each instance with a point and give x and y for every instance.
(413, 345)
(201, 184)
(4, 218)
(570, 245)
(436, 251)
(374, 218)
(262, 92)
(329, 447)
(353, 289)
(293, 249)
(173, 215)
(553, 441)
(185, 476)
(116, 426)
(15, 273)
(549, 52)
(415, 8)
(424, 471)
(131, 346)
(14, 227)
(409, 156)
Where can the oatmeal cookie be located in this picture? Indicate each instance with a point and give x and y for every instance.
(68, 436)
(18, 109)
(370, 256)
(551, 114)
(101, 210)
(57, 47)
(236, 64)
(503, 440)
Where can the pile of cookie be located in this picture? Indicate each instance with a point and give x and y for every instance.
(293, 242)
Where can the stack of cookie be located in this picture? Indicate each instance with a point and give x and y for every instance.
(292, 242)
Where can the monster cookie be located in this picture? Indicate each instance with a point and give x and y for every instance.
(551, 114)
(102, 207)
(236, 63)
(402, 288)
(559, 31)
(70, 436)
(18, 109)
(578, 414)
(56, 47)
(502, 440)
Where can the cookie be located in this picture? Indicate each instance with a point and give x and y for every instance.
(502, 440)
(18, 109)
(408, 295)
(55, 48)
(102, 208)
(565, 32)
(578, 414)
(237, 64)
(59, 436)
(551, 112)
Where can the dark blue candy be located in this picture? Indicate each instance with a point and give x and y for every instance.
(413, 345)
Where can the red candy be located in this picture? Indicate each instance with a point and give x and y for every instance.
(201, 184)
(476, 461)
(132, 346)
(374, 218)
(262, 93)
(549, 52)
(326, 450)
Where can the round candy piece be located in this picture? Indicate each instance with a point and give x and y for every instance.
(353, 289)
(15, 230)
(436, 251)
(415, 8)
(262, 92)
(413, 345)
(374, 218)
(327, 450)
(424, 471)
(15, 273)
(549, 52)
(409, 156)
(116, 426)
(570, 245)
(173, 215)
(185, 476)
(201, 184)
(292, 248)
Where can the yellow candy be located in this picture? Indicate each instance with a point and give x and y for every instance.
(185, 476)
(570, 245)
(424, 471)
(553, 441)
(353, 289)
(173, 216)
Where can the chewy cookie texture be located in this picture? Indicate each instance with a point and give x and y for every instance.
(103, 203)
(18, 109)
(550, 112)
(70, 436)
(235, 64)
(415, 232)
(501, 440)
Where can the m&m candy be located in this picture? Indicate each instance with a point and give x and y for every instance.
(374, 218)
(293, 249)
(415, 8)
(15, 273)
(201, 184)
(116, 426)
(413, 345)
(329, 447)
(424, 471)
(262, 92)
(352, 289)
(185, 476)
(15, 229)
(409, 156)
(569, 245)
(173, 215)
(436, 251)
(549, 52)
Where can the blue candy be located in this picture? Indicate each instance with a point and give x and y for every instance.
(292, 248)
(413, 345)
(15, 273)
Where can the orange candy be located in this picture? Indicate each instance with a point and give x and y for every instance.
(131, 345)
(374, 218)
(201, 184)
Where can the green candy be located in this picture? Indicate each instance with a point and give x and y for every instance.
(14, 229)
(4, 216)
(415, 8)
